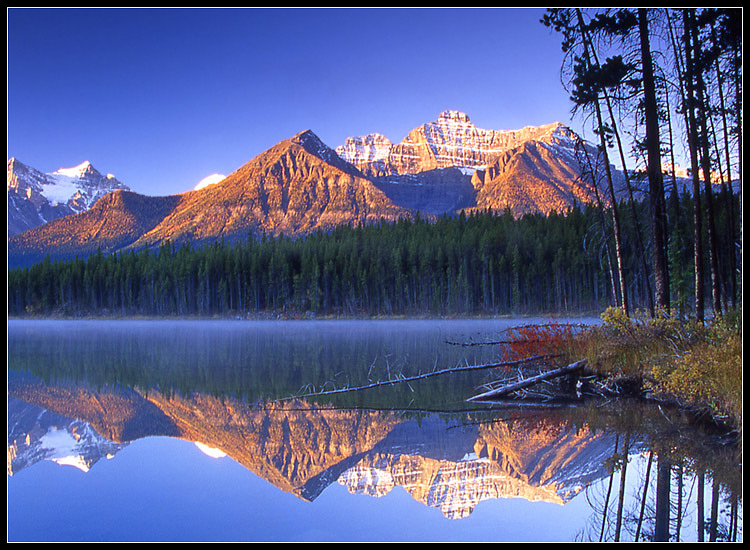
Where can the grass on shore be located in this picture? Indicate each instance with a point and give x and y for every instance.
(698, 365)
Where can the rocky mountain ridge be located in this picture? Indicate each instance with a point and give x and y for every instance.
(450, 141)
(35, 198)
(301, 185)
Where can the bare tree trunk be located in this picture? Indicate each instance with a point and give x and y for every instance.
(610, 185)
(680, 484)
(714, 512)
(605, 510)
(641, 249)
(692, 145)
(643, 498)
(636, 224)
(505, 390)
(583, 151)
(706, 167)
(701, 506)
(727, 189)
(656, 187)
(675, 238)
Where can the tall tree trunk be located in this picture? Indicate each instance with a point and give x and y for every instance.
(713, 529)
(676, 240)
(616, 224)
(643, 498)
(640, 248)
(584, 152)
(621, 499)
(692, 146)
(656, 186)
(608, 173)
(705, 149)
(727, 189)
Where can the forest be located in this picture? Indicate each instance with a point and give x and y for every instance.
(483, 263)
(654, 86)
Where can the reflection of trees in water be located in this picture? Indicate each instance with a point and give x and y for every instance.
(251, 361)
(669, 499)
(686, 488)
(655, 495)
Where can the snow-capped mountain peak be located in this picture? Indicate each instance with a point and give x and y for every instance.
(35, 197)
(75, 171)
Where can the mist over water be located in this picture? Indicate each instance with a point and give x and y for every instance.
(189, 430)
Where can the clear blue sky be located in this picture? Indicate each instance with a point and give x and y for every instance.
(164, 97)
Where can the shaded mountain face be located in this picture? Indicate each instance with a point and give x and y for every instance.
(35, 198)
(532, 178)
(113, 223)
(300, 186)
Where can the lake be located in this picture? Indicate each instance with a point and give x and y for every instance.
(218, 431)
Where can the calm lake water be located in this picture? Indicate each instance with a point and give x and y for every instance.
(197, 431)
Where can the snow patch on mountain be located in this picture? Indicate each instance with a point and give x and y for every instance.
(211, 452)
(35, 197)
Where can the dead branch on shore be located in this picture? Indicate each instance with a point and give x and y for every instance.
(522, 384)
(407, 379)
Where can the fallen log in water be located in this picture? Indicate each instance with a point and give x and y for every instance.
(510, 388)
(404, 379)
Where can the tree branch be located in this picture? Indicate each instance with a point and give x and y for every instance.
(421, 377)
(499, 392)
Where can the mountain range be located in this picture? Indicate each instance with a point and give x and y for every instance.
(35, 198)
(301, 185)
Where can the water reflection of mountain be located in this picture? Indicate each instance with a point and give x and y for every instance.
(36, 434)
(210, 377)
(446, 461)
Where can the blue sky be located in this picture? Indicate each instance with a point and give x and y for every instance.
(164, 97)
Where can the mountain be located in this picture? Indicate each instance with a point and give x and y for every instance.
(540, 175)
(301, 185)
(35, 198)
(297, 186)
(36, 434)
(450, 141)
(113, 223)
(450, 164)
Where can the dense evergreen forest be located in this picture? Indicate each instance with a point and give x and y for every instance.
(478, 264)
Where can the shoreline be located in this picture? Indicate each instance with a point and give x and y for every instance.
(306, 317)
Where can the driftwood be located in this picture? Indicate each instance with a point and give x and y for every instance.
(505, 390)
(422, 376)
